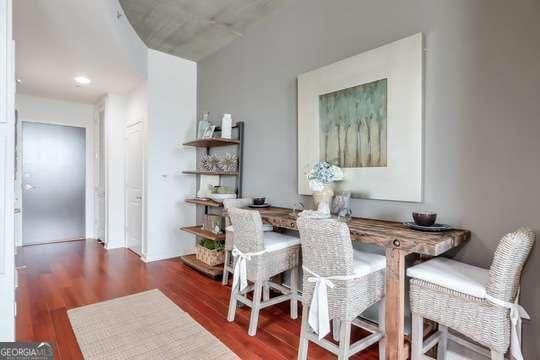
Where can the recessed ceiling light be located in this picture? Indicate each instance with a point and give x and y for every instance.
(82, 80)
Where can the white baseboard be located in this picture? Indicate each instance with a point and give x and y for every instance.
(156, 257)
(111, 247)
(147, 258)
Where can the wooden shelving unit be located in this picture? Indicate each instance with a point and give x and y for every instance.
(206, 144)
(220, 173)
(214, 272)
(199, 231)
(204, 202)
(212, 142)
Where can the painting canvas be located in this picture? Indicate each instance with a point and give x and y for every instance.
(352, 126)
(364, 114)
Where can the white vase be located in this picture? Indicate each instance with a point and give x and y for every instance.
(226, 126)
(322, 199)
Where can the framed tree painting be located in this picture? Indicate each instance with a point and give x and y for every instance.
(364, 114)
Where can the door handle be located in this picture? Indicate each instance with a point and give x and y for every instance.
(138, 198)
(30, 187)
(17, 211)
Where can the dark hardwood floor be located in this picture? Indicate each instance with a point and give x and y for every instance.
(66, 275)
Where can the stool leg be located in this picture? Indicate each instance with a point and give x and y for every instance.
(255, 308)
(232, 304)
(344, 340)
(304, 342)
(336, 324)
(382, 342)
(294, 292)
(443, 342)
(495, 355)
(266, 291)
(225, 279)
(417, 337)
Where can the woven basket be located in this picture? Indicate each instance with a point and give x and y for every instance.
(210, 257)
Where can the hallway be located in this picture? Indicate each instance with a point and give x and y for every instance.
(61, 276)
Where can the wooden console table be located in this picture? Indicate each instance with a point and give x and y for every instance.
(398, 241)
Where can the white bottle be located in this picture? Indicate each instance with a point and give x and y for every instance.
(226, 126)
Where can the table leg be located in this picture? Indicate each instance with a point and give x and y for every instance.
(395, 303)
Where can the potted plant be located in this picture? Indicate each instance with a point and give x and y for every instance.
(210, 252)
(321, 177)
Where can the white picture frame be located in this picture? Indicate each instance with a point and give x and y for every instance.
(401, 63)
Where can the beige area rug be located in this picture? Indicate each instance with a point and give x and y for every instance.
(146, 325)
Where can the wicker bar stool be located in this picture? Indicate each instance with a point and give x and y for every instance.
(259, 256)
(478, 303)
(229, 235)
(339, 284)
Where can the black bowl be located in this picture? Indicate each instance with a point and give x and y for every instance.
(259, 201)
(424, 218)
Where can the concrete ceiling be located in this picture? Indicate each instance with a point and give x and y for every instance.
(193, 29)
(57, 40)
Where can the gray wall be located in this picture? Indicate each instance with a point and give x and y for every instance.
(482, 106)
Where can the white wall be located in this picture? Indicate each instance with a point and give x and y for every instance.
(7, 135)
(125, 35)
(166, 104)
(172, 84)
(58, 112)
(114, 125)
(137, 105)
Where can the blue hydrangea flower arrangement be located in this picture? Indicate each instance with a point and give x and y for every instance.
(323, 174)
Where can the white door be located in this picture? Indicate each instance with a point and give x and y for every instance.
(99, 191)
(134, 187)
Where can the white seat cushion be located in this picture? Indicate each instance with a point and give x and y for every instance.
(365, 263)
(451, 274)
(266, 227)
(275, 241)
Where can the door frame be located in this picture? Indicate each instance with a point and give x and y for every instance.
(100, 107)
(7, 167)
(89, 167)
(18, 181)
(142, 123)
(88, 179)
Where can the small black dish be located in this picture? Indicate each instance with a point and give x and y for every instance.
(432, 228)
(254, 206)
(424, 218)
(259, 201)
